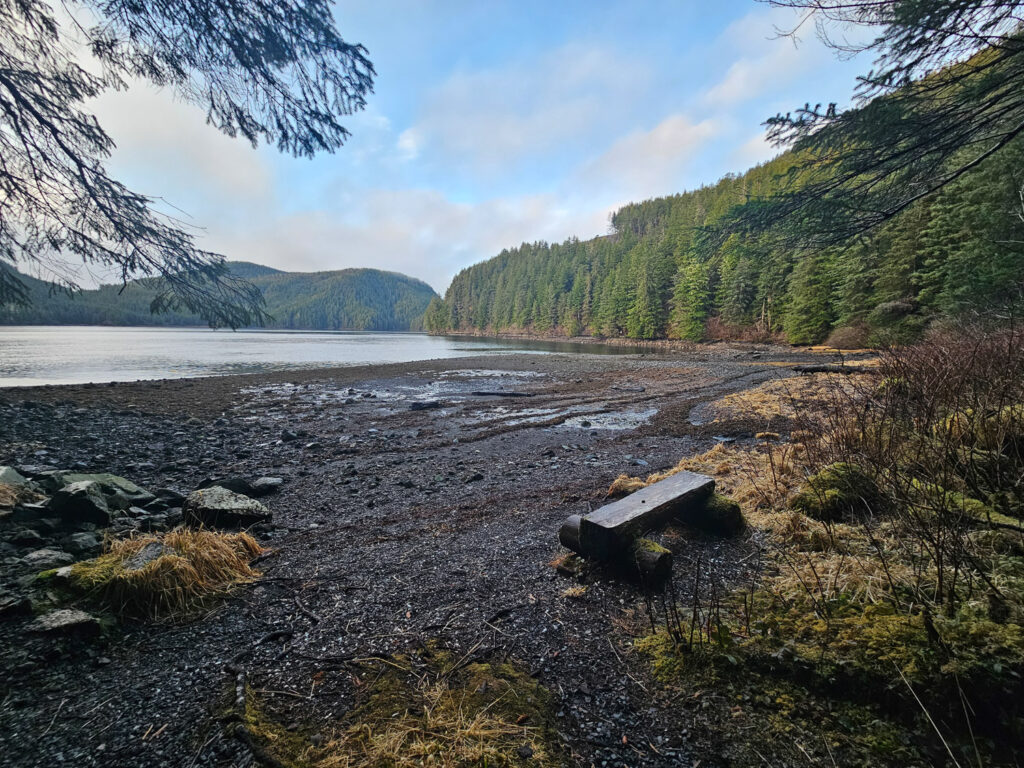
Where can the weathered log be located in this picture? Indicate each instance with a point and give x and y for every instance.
(610, 531)
(651, 560)
(832, 368)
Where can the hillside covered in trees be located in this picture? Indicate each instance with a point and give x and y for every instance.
(342, 300)
(665, 271)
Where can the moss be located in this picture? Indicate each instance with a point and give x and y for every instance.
(838, 492)
(719, 515)
(431, 708)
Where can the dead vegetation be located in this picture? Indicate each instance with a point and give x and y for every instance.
(892, 528)
(434, 708)
(167, 576)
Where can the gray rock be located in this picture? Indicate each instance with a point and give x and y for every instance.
(264, 486)
(218, 507)
(424, 405)
(45, 559)
(11, 476)
(83, 543)
(119, 492)
(144, 556)
(26, 537)
(81, 502)
(67, 621)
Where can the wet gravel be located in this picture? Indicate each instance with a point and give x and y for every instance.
(397, 525)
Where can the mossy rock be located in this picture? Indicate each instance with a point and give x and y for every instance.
(1004, 429)
(838, 492)
(719, 515)
(933, 499)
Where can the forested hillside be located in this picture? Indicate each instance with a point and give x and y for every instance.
(348, 299)
(663, 272)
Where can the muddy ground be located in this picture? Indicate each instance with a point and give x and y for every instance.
(395, 527)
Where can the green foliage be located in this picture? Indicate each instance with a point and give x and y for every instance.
(837, 492)
(348, 299)
(665, 273)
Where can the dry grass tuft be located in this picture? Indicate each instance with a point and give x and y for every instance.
(575, 593)
(433, 709)
(168, 576)
(13, 494)
(8, 495)
(779, 398)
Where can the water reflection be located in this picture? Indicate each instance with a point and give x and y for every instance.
(32, 355)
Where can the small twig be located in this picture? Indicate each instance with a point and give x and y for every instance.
(54, 719)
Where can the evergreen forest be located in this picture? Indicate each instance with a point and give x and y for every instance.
(341, 300)
(668, 270)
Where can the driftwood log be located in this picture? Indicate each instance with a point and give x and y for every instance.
(833, 368)
(612, 533)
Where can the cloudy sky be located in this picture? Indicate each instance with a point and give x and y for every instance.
(492, 123)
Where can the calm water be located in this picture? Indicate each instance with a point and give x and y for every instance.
(78, 354)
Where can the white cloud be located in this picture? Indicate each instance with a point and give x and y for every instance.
(648, 163)
(767, 61)
(159, 138)
(490, 119)
(418, 232)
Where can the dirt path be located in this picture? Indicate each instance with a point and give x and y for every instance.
(396, 527)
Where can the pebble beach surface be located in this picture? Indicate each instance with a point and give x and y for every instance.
(420, 502)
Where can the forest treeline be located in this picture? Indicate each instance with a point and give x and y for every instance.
(666, 271)
(342, 300)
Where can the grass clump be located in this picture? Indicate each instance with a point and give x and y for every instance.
(167, 576)
(431, 708)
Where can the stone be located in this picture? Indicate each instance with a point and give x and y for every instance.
(144, 556)
(218, 507)
(67, 621)
(81, 502)
(83, 543)
(15, 605)
(47, 558)
(119, 492)
(264, 486)
(27, 537)
(11, 476)
(424, 405)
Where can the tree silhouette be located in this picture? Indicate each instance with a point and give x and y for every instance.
(946, 92)
(266, 70)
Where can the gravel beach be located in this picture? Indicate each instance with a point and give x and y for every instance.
(420, 503)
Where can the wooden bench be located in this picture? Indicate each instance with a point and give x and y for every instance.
(610, 532)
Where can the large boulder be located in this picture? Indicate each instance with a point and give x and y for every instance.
(81, 502)
(218, 507)
(119, 492)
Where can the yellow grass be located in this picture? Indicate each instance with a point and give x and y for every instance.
(193, 569)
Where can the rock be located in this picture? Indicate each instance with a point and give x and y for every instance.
(287, 436)
(424, 405)
(67, 621)
(264, 486)
(11, 476)
(172, 497)
(473, 478)
(45, 559)
(119, 492)
(144, 556)
(15, 605)
(26, 537)
(719, 515)
(218, 507)
(83, 543)
(81, 502)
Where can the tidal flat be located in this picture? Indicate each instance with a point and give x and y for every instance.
(419, 507)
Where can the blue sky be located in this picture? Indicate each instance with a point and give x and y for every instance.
(492, 123)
